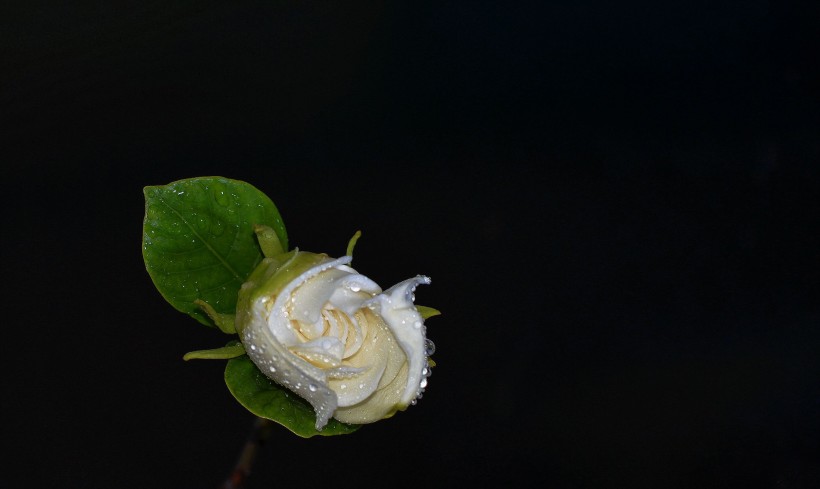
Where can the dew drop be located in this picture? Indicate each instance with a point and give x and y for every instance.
(272, 368)
(217, 228)
(201, 223)
(312, 387)
(423, 383)
(417, 324)
(221, 197)
(429, 347)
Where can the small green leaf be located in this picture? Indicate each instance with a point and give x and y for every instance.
(198, 240)
(266, 399)
(224, 353)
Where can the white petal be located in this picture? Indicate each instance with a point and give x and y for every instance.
(277, 362)
(310, 297)
(297, 374)
(322, 352)
(344, 372)
(396, 307)
(353, 291)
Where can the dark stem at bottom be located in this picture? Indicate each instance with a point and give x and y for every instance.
(258, 436)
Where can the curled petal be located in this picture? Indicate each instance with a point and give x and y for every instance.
(319, 328)
(396, 307)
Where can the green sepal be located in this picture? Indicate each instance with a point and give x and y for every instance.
(427, 312)
(268, 240)
(232, 350)
(225, 322)
(352, 243)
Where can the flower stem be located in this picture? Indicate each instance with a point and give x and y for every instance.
(259, 435)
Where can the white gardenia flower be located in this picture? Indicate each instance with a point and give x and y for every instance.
(314, 325)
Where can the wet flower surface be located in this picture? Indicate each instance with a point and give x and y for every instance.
(331, 335)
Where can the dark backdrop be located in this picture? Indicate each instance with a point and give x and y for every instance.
(617, 203)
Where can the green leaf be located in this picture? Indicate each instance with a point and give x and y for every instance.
(266, 399)
(198, 240)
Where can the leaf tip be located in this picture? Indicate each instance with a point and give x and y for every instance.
(149, 191)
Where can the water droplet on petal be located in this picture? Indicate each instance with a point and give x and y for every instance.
(312, 387)
(429, 347)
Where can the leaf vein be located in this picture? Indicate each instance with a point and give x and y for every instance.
(201, 239)
(189, 270)
(204, 291)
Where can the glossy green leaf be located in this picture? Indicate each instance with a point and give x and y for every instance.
(266, 399)
(199, 243)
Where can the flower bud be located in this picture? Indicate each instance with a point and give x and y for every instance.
(314, 325)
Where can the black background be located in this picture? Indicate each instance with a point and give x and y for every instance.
(617, 203)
